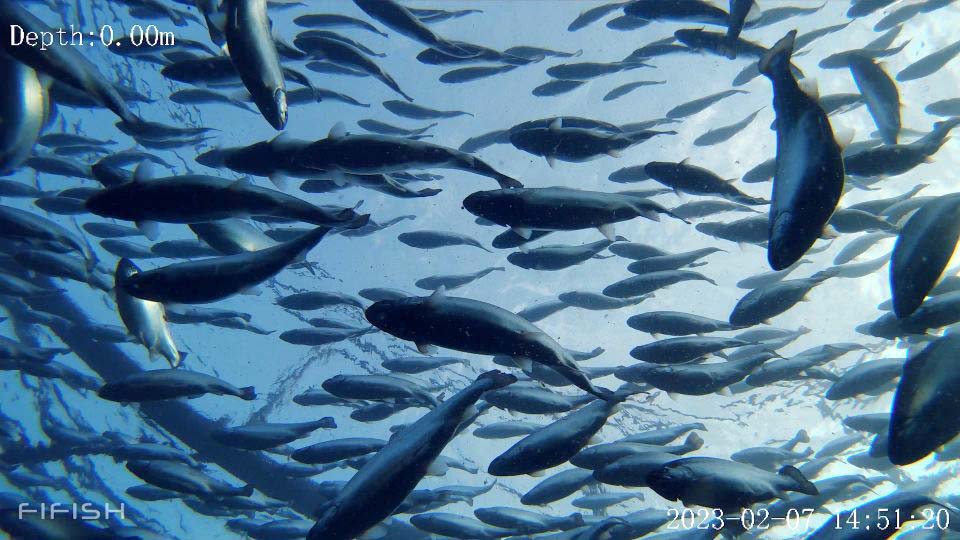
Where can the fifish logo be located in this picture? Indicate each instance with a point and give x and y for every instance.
(84, 511)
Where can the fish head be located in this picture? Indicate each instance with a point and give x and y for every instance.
(275, 110)
(790, 238)
(112, 202)
(397, 317)
(125, 269)
(487, 204)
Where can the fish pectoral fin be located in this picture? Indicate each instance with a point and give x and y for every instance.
(614, 153)
(522, 232)
(426, 348)
(537, 474)
(551, 161)
(596, 439)
(523, 363)
(376, 532)
(725, 391)
(608, 231)
(829, 232)
(279, 181)
(556, 124)
(252, 290)
(150, 229)
(673, 395)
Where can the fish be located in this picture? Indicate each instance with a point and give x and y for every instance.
(895, 159)
(417, 112)
(528, 209)
(916, 428)
(556, 87)
(865, 378)
(146, 321)
(331, 20)
(599, 455)
(161, 384)
(379, 388)
(209, 280)
(538, 312)
(465, 325)
(61, 265)
(686, 178)
(921, 252)
(437, 239)
(455, 281)
(344, 55)
(65, 64)
(557, 257)
(930, 63)
(25, 112)
(651, 281)
(184, 479)
(311, 300)
(264, 436)
(764, 303)
(315, 337)
(807, 188)
(680, 350)
(400, 19)
(737, 16)
(880, 94)
(254, 54)
(598, 302)
(468, 74)
(697, 105)
(719, 483)
(381, 128)
(718, 43)
(555, 443)
(337, 450)
(627, 88)
(675, 323)
(576, 144)
(781, 13)
(383, 482)
(526, 521)
(593, 15)
(683, 10)
(352, 154)
(456, 526)
(724, 133)
(412, 365)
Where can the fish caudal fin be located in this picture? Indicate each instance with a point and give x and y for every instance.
(782, 50)
(802, 484)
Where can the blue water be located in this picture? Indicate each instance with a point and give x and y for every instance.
(762, 416)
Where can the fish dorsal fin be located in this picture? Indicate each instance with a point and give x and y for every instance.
(844, 136)
(556, 124)
(685, 161)
(281, 138)
(809, 86)
(242, 183)
(338, 131)
(143, 172)
(438, 295)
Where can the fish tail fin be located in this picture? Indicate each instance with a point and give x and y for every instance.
(246, 490)
(248, 393)
(779, 53)
(802, 484)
